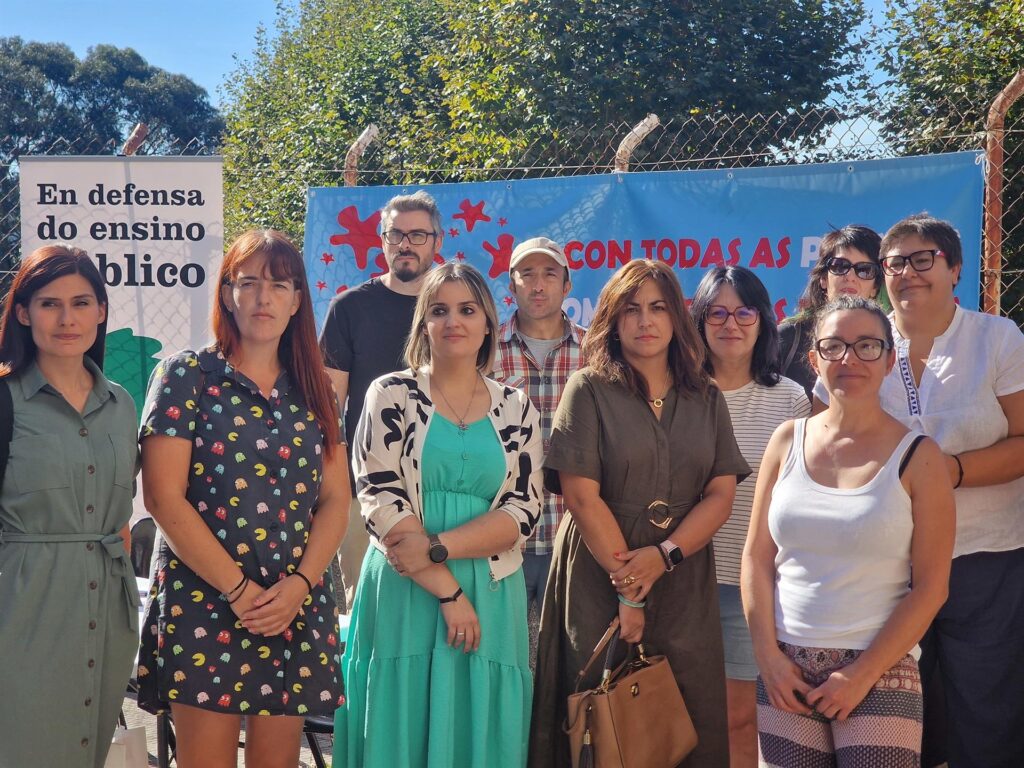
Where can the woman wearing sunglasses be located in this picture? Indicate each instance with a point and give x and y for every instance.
(849, 503)
(959, 378)
(847, 266)
(734, 316)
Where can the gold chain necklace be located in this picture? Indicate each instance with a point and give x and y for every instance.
(461, 419)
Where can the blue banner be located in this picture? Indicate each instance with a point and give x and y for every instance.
(768, 219)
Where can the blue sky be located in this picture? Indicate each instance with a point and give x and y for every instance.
(197, 38)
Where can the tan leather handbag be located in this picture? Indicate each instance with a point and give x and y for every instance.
(635, 718)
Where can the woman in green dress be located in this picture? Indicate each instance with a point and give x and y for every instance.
(447, 466)
(68, 600)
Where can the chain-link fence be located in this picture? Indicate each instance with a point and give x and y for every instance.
(686, 142)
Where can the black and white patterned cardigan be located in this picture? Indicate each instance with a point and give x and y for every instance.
(388, 452)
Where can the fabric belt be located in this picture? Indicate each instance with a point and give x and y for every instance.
(112, 543)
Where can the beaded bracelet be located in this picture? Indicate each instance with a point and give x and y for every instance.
(632, 603)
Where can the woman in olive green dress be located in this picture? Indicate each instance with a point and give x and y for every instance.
(68, 600)
(643, 451)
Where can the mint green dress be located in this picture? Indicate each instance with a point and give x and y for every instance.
(410, 699)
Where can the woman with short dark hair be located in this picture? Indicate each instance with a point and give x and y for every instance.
(643, 451)
(847, 266)
(734, 316)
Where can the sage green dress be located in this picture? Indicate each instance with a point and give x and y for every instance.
(68, 599)
(411, 699)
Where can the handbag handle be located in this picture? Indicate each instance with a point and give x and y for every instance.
(612, 631)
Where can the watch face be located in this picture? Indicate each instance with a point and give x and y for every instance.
(438, 552)
(676, 556)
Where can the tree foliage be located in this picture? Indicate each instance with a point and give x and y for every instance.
(475, 85)
(52, 102)
(947, 60)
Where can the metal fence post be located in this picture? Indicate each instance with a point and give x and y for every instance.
(995, 131)
(356, 151)
(138, 135)
(632, 140)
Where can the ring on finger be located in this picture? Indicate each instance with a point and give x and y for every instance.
(629, 580)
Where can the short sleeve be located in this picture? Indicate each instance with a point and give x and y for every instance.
(574, 445)
(1010, 359)
(728, 459)
(336, 338)
(172, 401)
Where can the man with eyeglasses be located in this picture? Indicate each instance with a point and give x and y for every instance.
(366, 329)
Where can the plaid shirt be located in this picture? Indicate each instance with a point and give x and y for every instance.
(544, 384)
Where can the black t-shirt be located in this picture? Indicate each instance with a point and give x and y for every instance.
(801, 333)
(365, 334)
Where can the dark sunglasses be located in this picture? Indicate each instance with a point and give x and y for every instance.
(865, 270)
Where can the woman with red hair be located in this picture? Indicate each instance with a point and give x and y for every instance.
(244, 470)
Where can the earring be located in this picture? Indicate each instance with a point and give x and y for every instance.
(615, 337)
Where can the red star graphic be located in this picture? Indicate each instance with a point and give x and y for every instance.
(320, 284)
(453, 232)
(460, 256)
(327, 258)
(502, 221)
(508, 301)
(362, 235)
(382, 266)
(500, 254)
(471, 214)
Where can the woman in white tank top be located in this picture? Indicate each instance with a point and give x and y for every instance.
(848, 504)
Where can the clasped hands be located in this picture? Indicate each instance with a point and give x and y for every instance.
(639, 570)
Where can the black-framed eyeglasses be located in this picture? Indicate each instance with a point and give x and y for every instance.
(921, 261)
(716, 314)
(416, 237)
(867, 349)
(865, 270)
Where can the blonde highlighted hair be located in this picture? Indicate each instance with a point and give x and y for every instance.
(417, 348)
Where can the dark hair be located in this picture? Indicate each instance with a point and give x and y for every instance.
(857, 236)
(602, 348)
(298, 350)
(847, 303)
(926, 227)
(417, 348)
(36, 271)
(764, 365)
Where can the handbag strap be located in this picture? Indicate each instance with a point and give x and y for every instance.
(6, 427)
(612, 631)
(797, 337)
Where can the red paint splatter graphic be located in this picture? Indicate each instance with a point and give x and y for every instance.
(502, 221)
(341, 289)
(500, 255)
(327, 258)
(361, 237)
(471, 214)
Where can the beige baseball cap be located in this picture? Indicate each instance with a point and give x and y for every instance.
(537, 245)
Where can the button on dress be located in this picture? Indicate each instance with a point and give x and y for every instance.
(68, 600)
(254, 478)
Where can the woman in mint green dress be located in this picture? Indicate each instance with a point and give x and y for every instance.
(436, 664)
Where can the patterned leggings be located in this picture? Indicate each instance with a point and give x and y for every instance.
(883, 731)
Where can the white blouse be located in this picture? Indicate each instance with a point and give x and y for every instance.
(978, 359)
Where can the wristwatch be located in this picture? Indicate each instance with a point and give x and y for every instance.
(672, 553)
(438, 551)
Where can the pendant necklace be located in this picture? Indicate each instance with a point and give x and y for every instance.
(461, 419)
(658, 402)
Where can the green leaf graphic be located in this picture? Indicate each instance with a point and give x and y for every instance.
(129, 360)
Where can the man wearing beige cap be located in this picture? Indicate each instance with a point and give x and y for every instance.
(538, 349)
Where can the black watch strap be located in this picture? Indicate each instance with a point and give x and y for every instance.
(455, 596)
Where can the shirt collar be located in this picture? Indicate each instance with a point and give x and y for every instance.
(212, 361)
(570, 330)
(33, 380)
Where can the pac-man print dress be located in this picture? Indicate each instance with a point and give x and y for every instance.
(254, 478)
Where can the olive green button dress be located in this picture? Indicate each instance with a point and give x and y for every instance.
(607, 433)
(68, 600)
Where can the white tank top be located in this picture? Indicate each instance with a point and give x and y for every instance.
(844, 554)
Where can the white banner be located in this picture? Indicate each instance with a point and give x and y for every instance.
(155, 227)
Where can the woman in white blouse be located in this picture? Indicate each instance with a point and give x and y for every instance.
(959, 378)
